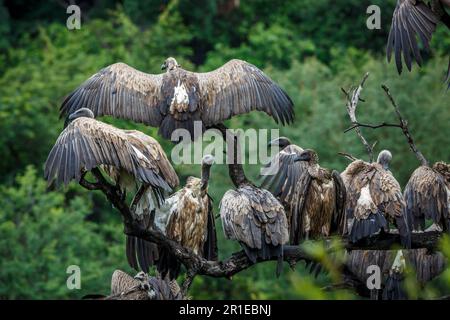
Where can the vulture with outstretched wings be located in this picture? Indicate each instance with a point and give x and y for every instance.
(427, 196)
(374, 197)
(312, 196)
(187, 218)
(175, 99)
(130, 157)
(414, 19)
(256, 219)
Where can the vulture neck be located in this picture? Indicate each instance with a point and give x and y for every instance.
(235, 169)
(206, 169)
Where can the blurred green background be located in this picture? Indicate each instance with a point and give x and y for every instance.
(312, 48)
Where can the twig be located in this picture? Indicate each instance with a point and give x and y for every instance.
(348, 156)
(352, 103)
(372, 126)
(404, 126)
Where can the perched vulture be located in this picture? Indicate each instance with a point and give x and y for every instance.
(412, 19)
(427, 196)
(130, 157)
(177, 98)
(373, 197)
(427, 265)
(256, 219)
(151, 288)
(312, 196)
(189, 220)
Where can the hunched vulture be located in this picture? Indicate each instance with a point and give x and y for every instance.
(427, 196)
(313, 196)
(177, 98)
(412, 19)
(187, 218)
(130, 158)
(374, 197)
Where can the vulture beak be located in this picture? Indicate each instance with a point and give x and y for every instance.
(273, 143)
(163, 66)
(302, 157)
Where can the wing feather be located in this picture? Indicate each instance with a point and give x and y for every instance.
(239, 87)
(119, 91)
(411, 19)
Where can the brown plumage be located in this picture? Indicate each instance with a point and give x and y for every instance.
(374, 197)
(130, 157)
(190, 221)
(179, 97)
(427, 196)
(256, 219)
(156, 287)
(412, 19)
(312, 196)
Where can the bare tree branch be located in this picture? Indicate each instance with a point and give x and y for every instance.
(353, 97)
(404, 126)
(372, 126)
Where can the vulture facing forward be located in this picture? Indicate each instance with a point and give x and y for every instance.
(427, 196)
(177, 98)
(412, 19)
(130, 157)
(374, 197)
(312, 196)
(187, 218)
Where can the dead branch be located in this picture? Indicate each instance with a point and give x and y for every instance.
(404, 126)
(353, 97)
(372, 126)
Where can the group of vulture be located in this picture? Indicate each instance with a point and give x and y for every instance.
(298, 200)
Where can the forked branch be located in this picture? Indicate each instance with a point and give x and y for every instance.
(353, 97)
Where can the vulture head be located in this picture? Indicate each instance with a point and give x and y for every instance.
(170, 64)
(80, 113)
(281, 142)
(308, 155)
(443, 169)
(207, 162)
(384, 158)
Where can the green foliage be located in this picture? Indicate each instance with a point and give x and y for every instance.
(43, 234)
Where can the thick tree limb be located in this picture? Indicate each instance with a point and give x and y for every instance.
(238, 261)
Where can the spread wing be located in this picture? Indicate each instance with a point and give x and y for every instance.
(119, 91)
(87, 143)
(282, 173)
(239, 87)
(426, 197)
(157, 156)
(411, 19)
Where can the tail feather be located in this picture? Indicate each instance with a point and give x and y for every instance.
(393, 289)
(364, 228)
(168, 265)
